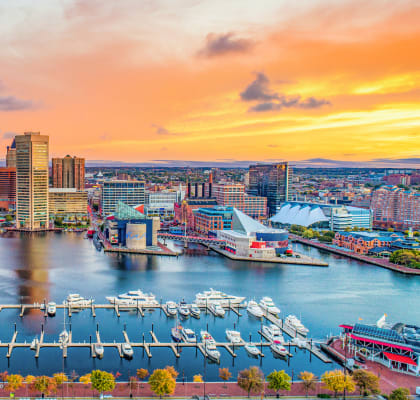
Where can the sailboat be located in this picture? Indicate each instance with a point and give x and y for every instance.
(63, 338)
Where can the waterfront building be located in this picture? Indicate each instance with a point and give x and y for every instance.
(212, 219)
(333, 217)
(233, 195)
(7, 188)
(161, 203)
(184, 211)
(131, 229)
(397, 208)
(68, 203)
(11, 155)
(32, 181)
(249, 238)
(131, 193)
(271, 181)
(68, 172)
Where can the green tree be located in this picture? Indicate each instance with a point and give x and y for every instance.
(251, 380)
(337, 381)
(308, 381)
(278, 380)
(366, 381)
(14, 382)
(162, 382)
(102, 381)
(308, 234)
(45, 385)
(401, 393)
(9, 218)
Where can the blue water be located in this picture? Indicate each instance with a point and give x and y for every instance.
(49, 266)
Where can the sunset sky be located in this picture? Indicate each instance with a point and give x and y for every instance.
(218, 80)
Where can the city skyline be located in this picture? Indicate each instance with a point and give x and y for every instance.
(314, 83)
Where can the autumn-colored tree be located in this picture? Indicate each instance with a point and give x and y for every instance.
(251, 380)
(3, 376)
(45, 385)
(102, 381)
(29, 379)
(401, 393)
(162, 382)
(60, 378)
(337, 381)
(224, 374)
(198, 378)
(278, 380)
(142, 374)
(172, 371)
(14, 382)
(85, 379)
(308, 381)
(366, 381)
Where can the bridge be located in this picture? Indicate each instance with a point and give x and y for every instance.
(192, 239)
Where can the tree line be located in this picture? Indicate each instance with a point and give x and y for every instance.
(162, 381)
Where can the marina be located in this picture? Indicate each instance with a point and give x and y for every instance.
(50, 266)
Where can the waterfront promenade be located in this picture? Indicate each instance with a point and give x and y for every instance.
(380, 262)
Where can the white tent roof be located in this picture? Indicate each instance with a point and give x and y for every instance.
(299, 214)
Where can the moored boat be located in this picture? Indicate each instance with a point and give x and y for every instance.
(210, 346)
(268, 305)
(127, 350)
(176, 333)
(183, 310)
(279, 349)
(208, 297)
(195, 311)
(51, 309)
(254, 309)
(188, 335)
(99, 350)
(171, 308)
(233, 336)
(273, 333)
(217, 310)
(252, 350)
(296, 324)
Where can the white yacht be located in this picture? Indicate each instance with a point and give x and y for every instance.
(217, 310)
(51, 308)
(279, 349)
(184, 310)
(171, 308)
(252, 350)
(127, 350)
(195, 311)
(233, 336)
(295, 323)
(63, 338)
(267, 304)
(210, 346)
(188, 335)
(273, 333)
(75, 300)
(254, 309)
(211, 296)
(34, 343)
(99, 350)
(134, 298)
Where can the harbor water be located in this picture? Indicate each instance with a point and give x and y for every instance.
(50, 266)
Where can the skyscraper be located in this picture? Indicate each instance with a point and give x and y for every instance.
(68, 172)
(32, 181)
(11, 155)
(271, 181)
(7, 188)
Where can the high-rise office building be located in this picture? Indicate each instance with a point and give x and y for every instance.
(68, 172)
(32, 181)
(271, 181)
(131, 193)
(7, 188)
(11, 155)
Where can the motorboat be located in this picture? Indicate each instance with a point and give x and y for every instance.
(51, 309)
(195, 311)
(183, 310)
(134, 298)
(188, 335)
(176, 333)
(171, 308)
(279, 349)
(127, 350)
(252, 350)
(34, 343)
(64, 336)
(208, 297)
(301, 343)
(210, 346)
(273, 333)
(99, 350)
(268, 305)
(75, 300)
(296, 324)
(233, 336)
(217, 310)
(254, 309)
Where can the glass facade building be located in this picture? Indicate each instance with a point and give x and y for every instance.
(129, 192)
